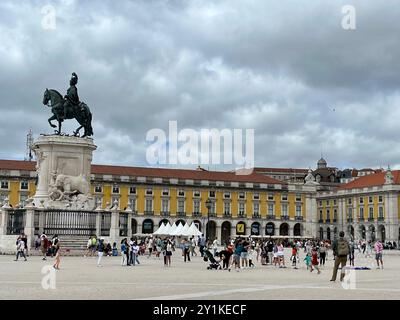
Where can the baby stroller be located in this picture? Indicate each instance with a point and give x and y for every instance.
(214, 264)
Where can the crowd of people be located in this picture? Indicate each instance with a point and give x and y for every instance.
(239, 253)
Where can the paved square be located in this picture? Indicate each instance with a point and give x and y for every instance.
(79, 278)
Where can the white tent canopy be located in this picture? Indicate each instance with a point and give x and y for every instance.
(178, 230)
(161, 229)
(193, 231)
(184, 230)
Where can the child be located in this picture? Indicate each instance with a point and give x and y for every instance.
(314, 260)
(252, 255)
(307, 259)
(294, 257)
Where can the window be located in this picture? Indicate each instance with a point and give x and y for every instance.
(270, 209)
(165, 205)
(298, 197)
(181, 205)
(212, 209)
(284, 210)
(361, 200)
(149, 205)
(334, 202)
(256, 208)
(371, 212)
(270, 196)
(227, 195)
(349, 201)
(349, 213)
(22, 199)
(196, 193)
(380, 212)
(24, 185)
(132, 204)
(361, 213)
(380, 199)
(4, 185)
(285, 197)
(196, 206)
(115, 189)
(241, 208)
(227, 208)
(165, 192)
(327, 202)
(181, 193)
(242, 195)
(335, 214)
(256, 196)
(370, 199)
(132, 190)
(115, 202)
(298, 211)
(98, 189)
(98, 201)
(320, 215)
(211, 194)
(149, 192)
(320, 203)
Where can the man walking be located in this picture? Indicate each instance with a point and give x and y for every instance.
(341, 250)
(378, 247)
(202, 244)
(20, 249)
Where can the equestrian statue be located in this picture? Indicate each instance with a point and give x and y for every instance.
(69, 107)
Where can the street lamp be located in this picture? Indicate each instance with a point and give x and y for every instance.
(208, 205)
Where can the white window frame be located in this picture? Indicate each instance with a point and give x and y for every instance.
(5, 182)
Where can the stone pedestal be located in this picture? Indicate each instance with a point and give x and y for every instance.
(30, 226)
(60, 160)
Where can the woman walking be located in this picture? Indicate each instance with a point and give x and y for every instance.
(168, 253)
(57, 253)
(322, 254)
(100, 251)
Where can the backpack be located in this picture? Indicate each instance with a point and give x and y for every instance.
(342, 248)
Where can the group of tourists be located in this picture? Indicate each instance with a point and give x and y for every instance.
(239, 253)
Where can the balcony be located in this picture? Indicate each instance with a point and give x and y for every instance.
(381, 218)
(165, 213)
(334, 220)
(270, 217)
(321, 221)
(227, 215)
(361, 219)
(212, 214)
(285, 218)
(149, 213)
(181, 214)
(241, 215)
(349, 220)
(328, 221)
(299, 218)
(196, 214)
(256, 216)
(371, 219)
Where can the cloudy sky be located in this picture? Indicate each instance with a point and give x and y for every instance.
(287, 69)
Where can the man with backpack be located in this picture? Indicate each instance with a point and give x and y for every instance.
(341, 250)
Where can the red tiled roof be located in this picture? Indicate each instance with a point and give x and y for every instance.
(183, 174)
(287, 170)
(254, 177)
(371, 180)
(17, 165)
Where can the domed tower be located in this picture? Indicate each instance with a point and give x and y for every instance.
(321, 164)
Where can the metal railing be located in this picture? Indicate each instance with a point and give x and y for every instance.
(74, 223)
(16, 221)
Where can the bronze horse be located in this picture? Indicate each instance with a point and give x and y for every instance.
(81, 113)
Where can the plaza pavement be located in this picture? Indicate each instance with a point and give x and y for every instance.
(79, 278)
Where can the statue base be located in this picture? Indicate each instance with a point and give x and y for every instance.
(64, 170)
